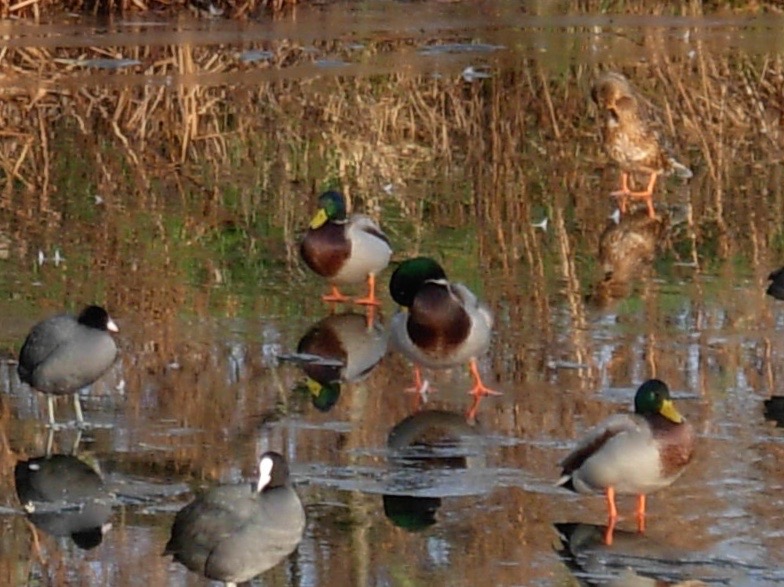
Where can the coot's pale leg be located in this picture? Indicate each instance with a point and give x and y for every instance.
(78, 409)
(50, 405)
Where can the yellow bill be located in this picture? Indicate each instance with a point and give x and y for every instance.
(319, 219)
(669, 411)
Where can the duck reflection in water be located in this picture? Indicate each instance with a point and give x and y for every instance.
(633, 560)
(627, 248)
(435, 441)
(64, 496)
(338, 349)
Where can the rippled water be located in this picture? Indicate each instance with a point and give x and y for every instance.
(223, 333)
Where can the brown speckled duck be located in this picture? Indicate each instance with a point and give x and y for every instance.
(632, 137)
(345, 250)
(632, 453)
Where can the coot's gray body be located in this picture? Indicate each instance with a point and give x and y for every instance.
(63, 354)
(234, 533)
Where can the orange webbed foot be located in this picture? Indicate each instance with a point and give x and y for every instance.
(335, 296)
(479, 389)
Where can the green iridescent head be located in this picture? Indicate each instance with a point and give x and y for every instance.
(653, 397)
(409, 277)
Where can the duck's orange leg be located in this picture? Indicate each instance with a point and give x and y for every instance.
(479, 389)
(470, 414)
(612, 516)
(641, 513)
(335, 296)
(647, 194)
(622, 193)
(370, 299)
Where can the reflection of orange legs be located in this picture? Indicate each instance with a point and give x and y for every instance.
(421, 386)
(479, 389)
(625, 192)
(612, 516)
(335, 296)
(470, 414)
(370, 299)
(370, 317)
(420, 390)
(622, 193)
(641, 513)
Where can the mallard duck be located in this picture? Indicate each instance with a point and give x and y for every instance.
(632, 137)
(345, 250)
(632, 453)
(776, 287)
(445, 324)
(234, 533)
(64, 353)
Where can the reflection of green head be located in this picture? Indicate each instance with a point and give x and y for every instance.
(411, 513)
(653, 397)
(323, 396)
(410, 276)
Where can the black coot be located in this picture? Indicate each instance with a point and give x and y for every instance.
(234, 533)
(64, 353)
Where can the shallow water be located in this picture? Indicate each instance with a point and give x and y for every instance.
(173, 190)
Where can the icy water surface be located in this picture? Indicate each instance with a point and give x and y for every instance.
(167, 169)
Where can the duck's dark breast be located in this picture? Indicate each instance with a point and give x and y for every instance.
(326, 249)
(437, 323)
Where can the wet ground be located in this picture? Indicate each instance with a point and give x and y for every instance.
(223, 335)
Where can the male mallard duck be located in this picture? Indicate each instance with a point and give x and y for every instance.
(343, 249)
(64, 353)
(632, 137)
(632, 453)
(776, 287)
(445, 324)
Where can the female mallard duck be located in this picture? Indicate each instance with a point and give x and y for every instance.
(633, 137)
(445, 324)
(345, 250)
(632, 453)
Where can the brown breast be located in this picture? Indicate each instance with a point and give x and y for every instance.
(437, 323)
(325, 249)
(676, 444)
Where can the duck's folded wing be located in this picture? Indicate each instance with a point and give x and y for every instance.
(368, 225)
(595, 440)
(471, 303)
